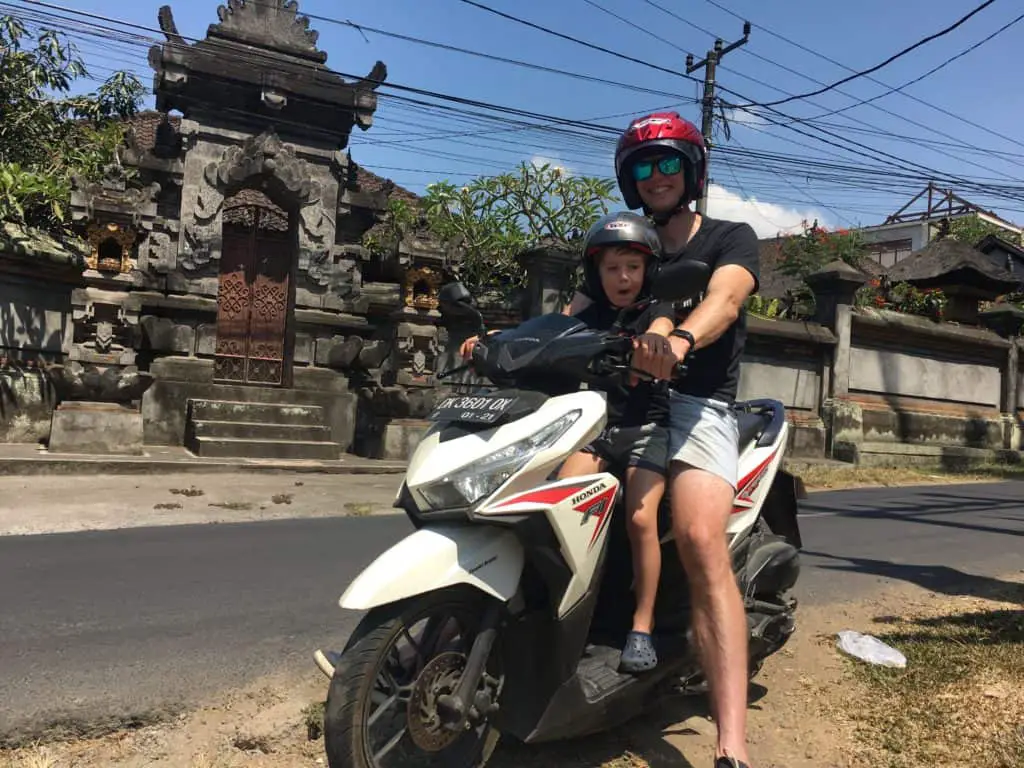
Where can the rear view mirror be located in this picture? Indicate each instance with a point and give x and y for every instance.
(454, 293)
(681, 280)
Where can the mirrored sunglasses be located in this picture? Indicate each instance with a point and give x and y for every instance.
(668, 166)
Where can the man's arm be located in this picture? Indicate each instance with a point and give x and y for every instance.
(732, 283)
(730, 286)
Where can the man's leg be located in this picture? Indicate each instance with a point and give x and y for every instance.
(701, 505)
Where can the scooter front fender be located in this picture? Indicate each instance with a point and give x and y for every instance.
(486, 557)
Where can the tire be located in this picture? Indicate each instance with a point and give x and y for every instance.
(349, 738)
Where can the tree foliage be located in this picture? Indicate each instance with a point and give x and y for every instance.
(49, 136)
(973, 229)
(806, 253)
(492, 219)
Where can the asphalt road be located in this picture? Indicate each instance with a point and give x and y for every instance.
(110, 625)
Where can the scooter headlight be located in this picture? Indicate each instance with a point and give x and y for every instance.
(467, 485)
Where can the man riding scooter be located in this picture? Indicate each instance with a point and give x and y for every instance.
(660, 165)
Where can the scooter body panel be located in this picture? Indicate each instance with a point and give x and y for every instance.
(430, 559)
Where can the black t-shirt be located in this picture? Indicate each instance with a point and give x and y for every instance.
(714, 371)
(647, 402)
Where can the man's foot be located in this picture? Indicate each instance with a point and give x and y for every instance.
(730, 762)
(639, 654)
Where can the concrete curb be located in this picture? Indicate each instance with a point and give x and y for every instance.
(65, 465)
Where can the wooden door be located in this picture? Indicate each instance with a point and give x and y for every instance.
(254, 297)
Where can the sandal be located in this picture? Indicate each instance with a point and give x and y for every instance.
(730, 762)
(639, 654)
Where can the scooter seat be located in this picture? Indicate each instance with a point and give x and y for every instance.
(752, 425)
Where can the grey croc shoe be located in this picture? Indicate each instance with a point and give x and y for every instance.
(639, 654)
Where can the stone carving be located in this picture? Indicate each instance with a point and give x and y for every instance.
(420, 287)
(157, 253)
(416, 350)
(262, 155)
(110, 247)
(114, 196)
(274, 23)
(101, 384)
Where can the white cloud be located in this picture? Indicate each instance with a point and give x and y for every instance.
(767, 219)
(743, 117)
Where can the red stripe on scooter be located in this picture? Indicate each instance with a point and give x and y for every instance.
(546, 496)
(744, 492)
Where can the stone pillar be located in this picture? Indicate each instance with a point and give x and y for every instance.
(548, 269)
(1008, 321)
(834, 286)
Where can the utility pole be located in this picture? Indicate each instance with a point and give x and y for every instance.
(710, 63)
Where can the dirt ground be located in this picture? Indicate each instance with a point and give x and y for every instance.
(809, 707)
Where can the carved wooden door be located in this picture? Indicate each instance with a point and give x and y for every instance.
(254, 297)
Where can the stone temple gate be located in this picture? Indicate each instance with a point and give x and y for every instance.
(226, 289)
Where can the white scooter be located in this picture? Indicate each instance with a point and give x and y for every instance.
(505, 611)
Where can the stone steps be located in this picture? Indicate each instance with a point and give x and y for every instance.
(242, 448)
(228, 428)
(254, 430)
(260, 413)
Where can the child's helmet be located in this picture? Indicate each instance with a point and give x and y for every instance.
(625, 229)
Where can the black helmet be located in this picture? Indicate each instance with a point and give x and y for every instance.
(625, 229)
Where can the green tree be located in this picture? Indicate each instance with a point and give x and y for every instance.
(493, 218)
(973, 229)
(48, 136)
(806, 253)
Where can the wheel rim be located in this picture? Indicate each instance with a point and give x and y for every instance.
(422, 661)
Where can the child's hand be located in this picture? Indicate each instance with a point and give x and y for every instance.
(652, 355)
(467, 346)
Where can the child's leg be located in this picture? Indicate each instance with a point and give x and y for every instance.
(644, 489)
(581, 463)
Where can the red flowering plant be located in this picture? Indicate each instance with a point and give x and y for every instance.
(902, 297)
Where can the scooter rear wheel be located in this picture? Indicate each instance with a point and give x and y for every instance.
(381, 705)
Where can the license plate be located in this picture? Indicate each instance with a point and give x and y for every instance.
(480, 409)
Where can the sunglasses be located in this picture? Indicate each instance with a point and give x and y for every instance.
(668, 166)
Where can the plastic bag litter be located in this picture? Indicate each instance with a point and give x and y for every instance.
(870, 649)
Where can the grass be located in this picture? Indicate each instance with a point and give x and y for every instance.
(282, 498)
(235, 505)
(188, 492)
(167, 505)
(958, 702)
(822, 477)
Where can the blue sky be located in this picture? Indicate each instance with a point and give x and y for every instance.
(982, 86)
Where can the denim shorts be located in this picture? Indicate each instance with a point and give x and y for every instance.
(704, 434)
(645, 447)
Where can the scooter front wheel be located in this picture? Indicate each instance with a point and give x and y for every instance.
(381, 709)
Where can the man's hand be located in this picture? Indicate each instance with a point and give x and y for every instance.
(657, 355)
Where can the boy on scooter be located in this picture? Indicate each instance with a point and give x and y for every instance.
(617, 254)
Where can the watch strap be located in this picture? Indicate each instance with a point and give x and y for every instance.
(683, 334)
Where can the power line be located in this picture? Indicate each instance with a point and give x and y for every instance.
(577, 41)
(826, 57)
(913, 140)
(929, 73)
(574, 128)
(894, 57)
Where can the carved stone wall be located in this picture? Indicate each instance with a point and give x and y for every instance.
(218, 163)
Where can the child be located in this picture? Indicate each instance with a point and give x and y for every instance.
(616, 255)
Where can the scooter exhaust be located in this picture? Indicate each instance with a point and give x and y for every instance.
(324, 663)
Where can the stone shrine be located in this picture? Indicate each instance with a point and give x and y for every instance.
(226, 288)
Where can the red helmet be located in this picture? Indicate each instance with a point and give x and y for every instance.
(653, 134)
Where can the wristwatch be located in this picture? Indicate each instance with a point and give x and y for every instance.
(683, 334)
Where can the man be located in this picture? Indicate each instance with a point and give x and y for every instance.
(660, 164)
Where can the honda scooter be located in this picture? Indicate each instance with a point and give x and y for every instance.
(505, 611)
